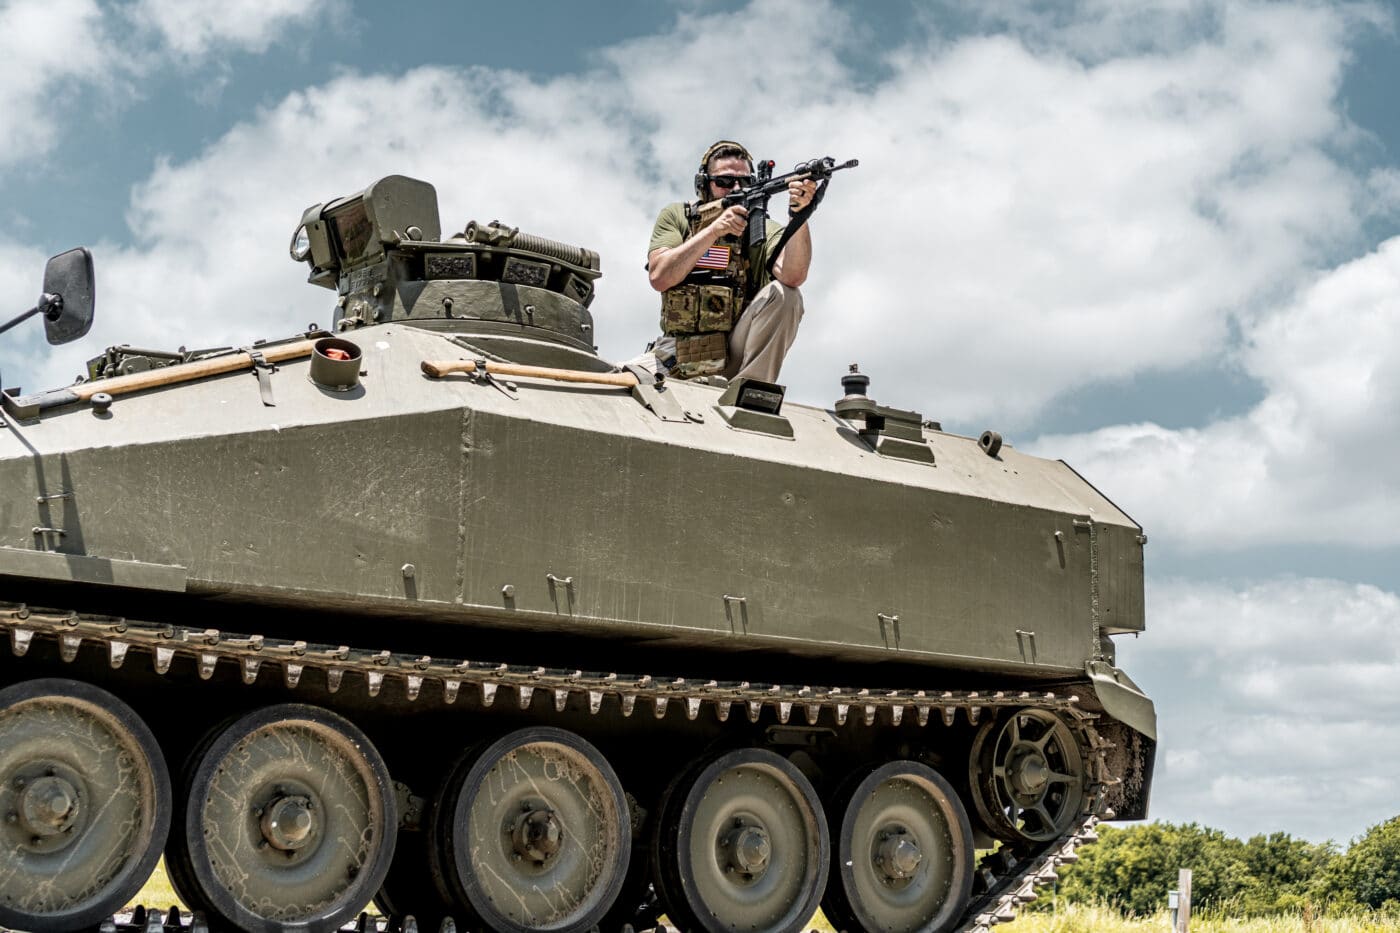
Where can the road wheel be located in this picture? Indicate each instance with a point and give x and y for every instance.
(289, 820)
(85, 798)
(904, 854)
(742, 845)
(534, 833)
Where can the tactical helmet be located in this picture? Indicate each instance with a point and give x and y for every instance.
(702, 177)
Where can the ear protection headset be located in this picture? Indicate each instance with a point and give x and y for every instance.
(702, 177)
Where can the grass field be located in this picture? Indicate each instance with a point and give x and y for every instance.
(1074, 919)
(1064, 919)
(158, 893)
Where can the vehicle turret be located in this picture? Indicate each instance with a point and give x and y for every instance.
(383, 252)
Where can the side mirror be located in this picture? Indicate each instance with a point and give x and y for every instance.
(67, 302)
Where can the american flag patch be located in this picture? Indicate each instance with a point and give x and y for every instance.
(716, 257)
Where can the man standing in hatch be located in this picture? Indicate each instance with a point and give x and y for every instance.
(721, 311)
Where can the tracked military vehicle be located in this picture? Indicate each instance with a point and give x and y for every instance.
(437, 608)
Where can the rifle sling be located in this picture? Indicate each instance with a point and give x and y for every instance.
(795, 223)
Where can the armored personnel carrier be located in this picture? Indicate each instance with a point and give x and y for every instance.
(437, 608)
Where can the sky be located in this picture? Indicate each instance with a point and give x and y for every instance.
(1156, 240)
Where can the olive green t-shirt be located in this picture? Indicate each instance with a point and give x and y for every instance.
(672, 229)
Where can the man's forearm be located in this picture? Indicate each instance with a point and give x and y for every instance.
(796, 259)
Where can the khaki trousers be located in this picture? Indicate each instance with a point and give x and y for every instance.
(765, 331)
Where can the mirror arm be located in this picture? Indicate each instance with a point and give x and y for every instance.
(41, 306)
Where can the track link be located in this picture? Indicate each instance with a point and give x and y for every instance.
(1018, 885)
(1008, 881)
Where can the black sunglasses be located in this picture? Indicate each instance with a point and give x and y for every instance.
(725, 182)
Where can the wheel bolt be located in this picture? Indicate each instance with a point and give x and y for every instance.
(899, 856)
(749, 849)
(537, 835)
(287, 823)
(48, 806)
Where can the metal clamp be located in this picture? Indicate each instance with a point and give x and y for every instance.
(483, 377)
(263, 370)
(653, 392)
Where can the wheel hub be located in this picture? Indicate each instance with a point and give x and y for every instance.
(748, 849)
(537, 834)
(898, 855)
(1028, 771)
(48, 806)
(289, 822)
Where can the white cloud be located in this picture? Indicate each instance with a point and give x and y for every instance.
(194, 28)
(47, 48)
(59, 58)
(1313, 462)
(1278, 704)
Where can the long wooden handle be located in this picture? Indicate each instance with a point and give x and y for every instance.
(184, 372)
(439, 368)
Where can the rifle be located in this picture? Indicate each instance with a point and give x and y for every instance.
(754, 199)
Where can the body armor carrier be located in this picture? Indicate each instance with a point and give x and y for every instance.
(702, 310)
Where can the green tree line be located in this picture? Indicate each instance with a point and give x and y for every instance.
(1132, 868)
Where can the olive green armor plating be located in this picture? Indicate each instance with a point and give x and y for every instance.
(958, 596)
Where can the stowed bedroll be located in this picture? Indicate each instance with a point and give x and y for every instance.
(438, 609)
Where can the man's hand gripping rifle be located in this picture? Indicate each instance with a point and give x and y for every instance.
(755, 199)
